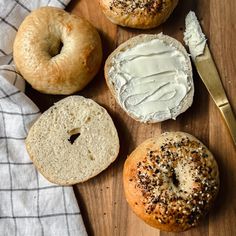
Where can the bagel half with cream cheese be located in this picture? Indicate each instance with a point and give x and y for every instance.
(57, 52)
(142, 14)
(150, 77)
(171, 181)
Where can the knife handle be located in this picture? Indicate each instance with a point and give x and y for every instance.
(208, 72)
(230, 119)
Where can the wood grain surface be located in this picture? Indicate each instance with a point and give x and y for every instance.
(101, 199)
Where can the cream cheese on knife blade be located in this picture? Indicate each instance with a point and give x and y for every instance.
(151, 80)
(193, 35)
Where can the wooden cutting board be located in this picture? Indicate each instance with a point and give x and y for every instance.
(101, 199)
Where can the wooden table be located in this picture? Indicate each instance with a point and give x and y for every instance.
(101, 199)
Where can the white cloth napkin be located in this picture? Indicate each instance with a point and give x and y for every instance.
(29, 204)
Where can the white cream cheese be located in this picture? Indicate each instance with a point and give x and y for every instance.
(193, 35)
(151, 80)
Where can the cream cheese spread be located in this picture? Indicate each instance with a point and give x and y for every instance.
(193, 35)
(151, 80)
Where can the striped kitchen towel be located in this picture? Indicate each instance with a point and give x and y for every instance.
(29, 204)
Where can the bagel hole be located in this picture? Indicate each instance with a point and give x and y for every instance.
(74, 134)
(175, 179)
(87, 120)
(54, 51)
(91, 157)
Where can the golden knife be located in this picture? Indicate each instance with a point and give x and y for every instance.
(208, 72)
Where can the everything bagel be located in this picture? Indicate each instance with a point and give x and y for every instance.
(171, 181)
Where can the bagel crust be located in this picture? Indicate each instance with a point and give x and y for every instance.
(171, 181)
(141, 14)
(57, 52)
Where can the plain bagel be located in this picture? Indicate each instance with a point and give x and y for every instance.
(57, 52)
(171, 181)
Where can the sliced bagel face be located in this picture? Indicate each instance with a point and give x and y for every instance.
(73, 141)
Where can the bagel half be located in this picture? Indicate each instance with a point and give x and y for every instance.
(73, 141)
(150, 77)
